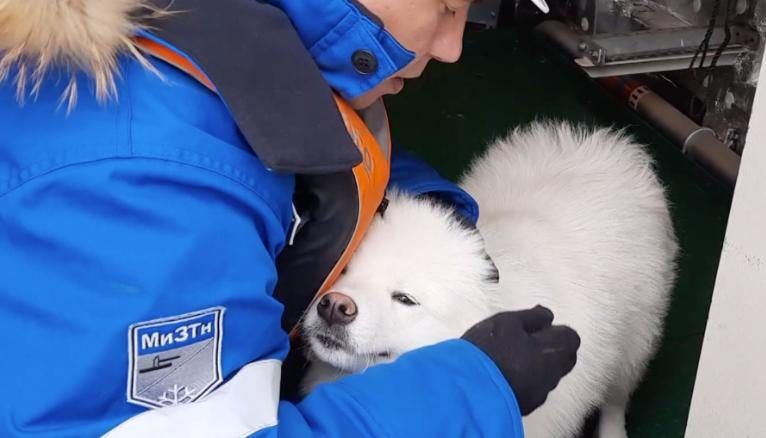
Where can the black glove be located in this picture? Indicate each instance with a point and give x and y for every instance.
(532, 354)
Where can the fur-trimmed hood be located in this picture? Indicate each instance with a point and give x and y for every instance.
(77, 35)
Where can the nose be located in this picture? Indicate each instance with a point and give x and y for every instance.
(337, 308)
(448, 44)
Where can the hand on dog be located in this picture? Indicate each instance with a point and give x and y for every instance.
(532, 354)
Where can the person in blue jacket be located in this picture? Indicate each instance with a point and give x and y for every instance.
(146, 212)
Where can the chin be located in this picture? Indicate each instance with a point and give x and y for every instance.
(365, 101)
(330, 361)
(341, 356)
(336, 357)
(388, 87)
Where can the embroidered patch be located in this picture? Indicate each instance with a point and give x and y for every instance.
(175, 360)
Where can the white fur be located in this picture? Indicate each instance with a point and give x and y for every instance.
(574, 219)
(76, 35)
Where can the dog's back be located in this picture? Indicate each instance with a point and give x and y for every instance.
(576, 220)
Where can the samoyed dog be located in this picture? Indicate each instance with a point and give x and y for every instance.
(573, 218)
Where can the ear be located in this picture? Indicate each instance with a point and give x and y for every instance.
(494, 274)
(449, 207)
(382, 207)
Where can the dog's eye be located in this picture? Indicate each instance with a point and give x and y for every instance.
(404, 299)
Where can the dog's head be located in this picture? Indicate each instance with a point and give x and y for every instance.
(420, 276)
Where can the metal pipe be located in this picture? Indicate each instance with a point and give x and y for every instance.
(698, 143)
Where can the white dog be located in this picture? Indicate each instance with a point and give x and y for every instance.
(574, 219)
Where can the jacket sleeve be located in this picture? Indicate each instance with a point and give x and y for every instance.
(92, 249)
(450, 389)
(446, 390)
(413, 175)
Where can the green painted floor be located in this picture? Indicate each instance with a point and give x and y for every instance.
(504, 80)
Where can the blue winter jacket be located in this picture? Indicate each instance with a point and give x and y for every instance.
(137, 264)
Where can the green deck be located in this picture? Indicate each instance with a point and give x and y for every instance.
(504, 80)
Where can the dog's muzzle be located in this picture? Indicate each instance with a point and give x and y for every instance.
(337, 309)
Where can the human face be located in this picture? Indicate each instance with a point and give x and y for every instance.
(432, 29)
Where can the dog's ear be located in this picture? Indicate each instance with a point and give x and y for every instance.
(382, 207)
(445, 204)
(494, 274)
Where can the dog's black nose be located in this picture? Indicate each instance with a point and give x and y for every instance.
(337, 308)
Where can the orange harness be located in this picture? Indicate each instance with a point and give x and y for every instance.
(371, 175)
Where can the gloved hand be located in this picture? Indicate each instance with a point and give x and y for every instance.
(532, 354)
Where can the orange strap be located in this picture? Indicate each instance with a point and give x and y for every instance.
(172, 57)
(371, 175)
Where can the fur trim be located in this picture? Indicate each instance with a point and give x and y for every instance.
(77, 35)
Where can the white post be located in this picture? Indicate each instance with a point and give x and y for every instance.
(729, 398)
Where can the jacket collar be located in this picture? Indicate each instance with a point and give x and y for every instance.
(334, 31)
(275, 89)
